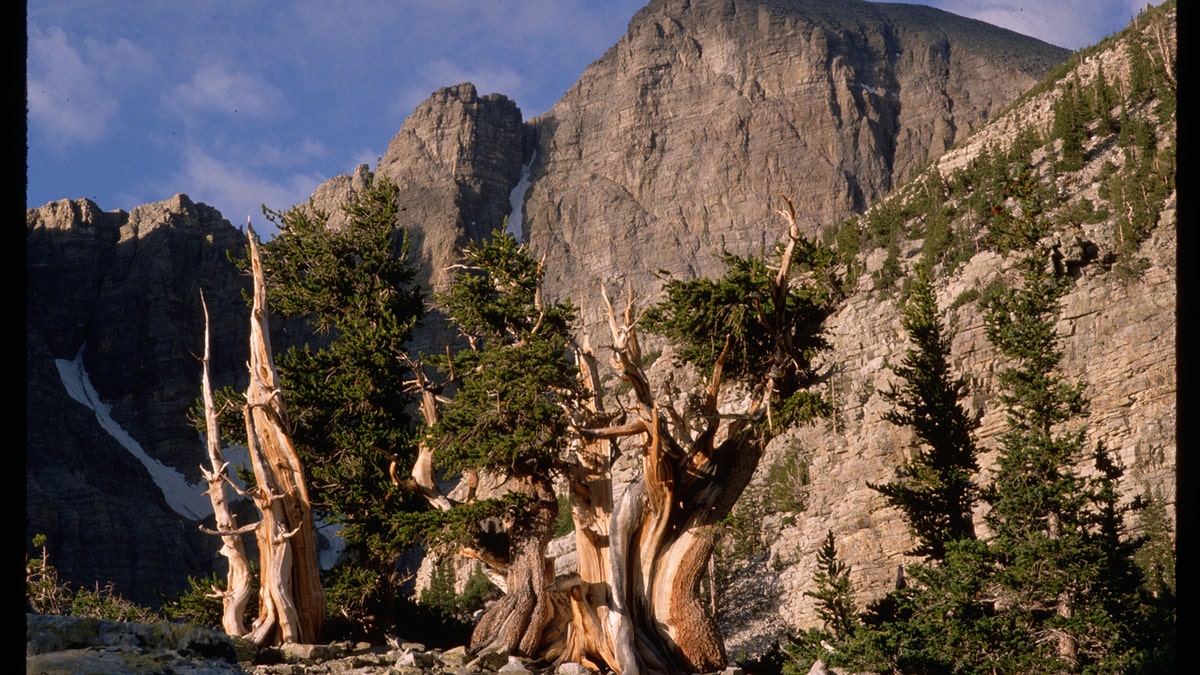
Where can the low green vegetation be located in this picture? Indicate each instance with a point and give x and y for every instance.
(45, 593)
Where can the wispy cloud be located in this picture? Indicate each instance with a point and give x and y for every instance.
(237, 190)
(217, 88)
(73, 89)
(444, 73)
(1073, 24)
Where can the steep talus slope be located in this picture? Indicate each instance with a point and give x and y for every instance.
(682, 137)
(118, 294)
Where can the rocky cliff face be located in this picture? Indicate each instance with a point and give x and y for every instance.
(115, 297)
(681, 139)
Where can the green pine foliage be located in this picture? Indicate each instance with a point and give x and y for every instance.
(1060, 585)
(1064, 564)
(504, 412)
(836, 643)
(1138, 189)
(345, 390)
(45, 593)
(505, 416)
(769, 334)
(1106, 98)
(935, 488)
(200, 603)
(1070, 117)
(834, 592)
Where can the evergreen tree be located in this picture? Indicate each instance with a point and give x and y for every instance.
(1062, 570)
(834, 593)
(1105, 95)
(836, 643)
(1070, 118)
(346, 388)
(1055, 588)
(504, 416)
(935, 488)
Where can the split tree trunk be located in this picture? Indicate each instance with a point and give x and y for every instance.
(291, 600)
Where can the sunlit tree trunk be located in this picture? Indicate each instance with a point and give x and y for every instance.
(291, 599)
(634, 604)
(239, 579)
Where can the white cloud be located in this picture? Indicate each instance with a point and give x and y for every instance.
(1073, 24)
(238, 192)
(68, 101)
(277, 157)
(215, 88)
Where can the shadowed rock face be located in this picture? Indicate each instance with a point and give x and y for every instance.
(121, 292)
(676, 142)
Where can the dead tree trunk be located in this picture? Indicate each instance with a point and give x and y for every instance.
(291, 599)
(239, 578)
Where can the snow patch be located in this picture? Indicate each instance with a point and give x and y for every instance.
(187, 499)
(330, 544)
(516, 199)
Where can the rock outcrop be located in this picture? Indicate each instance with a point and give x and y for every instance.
(66, 645)
(681, 139)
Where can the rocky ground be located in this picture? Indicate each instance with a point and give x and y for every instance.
(65, 645)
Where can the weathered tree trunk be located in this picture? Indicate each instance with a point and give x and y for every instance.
(239, 578)
(634, 605)
(291, 599)
(515, 624)
(642, 556)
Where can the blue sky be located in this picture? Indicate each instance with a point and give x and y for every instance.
(239, 103)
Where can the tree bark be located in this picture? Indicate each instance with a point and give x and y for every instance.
(291, 599)
(239, 578)
(634, 605)
(515, 624)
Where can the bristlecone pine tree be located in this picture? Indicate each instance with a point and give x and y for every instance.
(525, 403)
(350, 414)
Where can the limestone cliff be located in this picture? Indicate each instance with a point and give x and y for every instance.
(682, 137)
